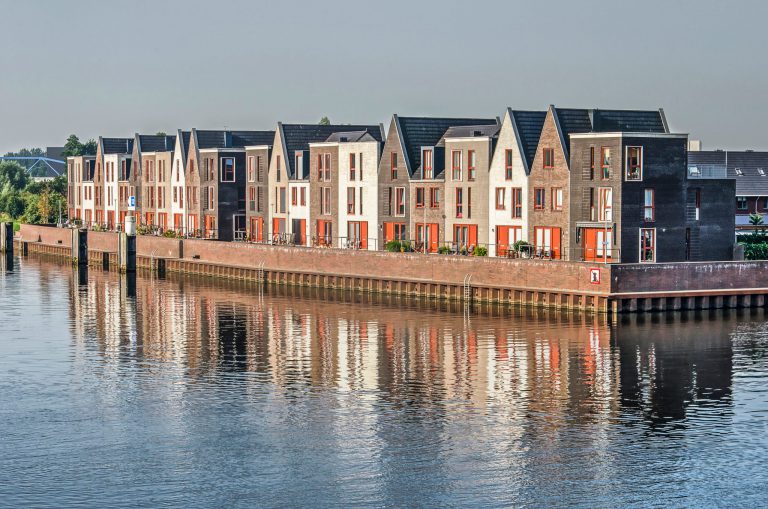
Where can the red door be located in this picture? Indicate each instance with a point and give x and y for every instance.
(389, 232)
(302, 232)
(363, 234)
(595, 247)
(502, 240)
(472, 237)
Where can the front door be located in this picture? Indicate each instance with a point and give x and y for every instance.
(598, 243)
(238, 227)
(278, 229)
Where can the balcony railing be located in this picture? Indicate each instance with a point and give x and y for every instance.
(707, 171)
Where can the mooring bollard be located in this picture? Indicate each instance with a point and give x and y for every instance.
(6, 237)
(126, 252)
(79, 246)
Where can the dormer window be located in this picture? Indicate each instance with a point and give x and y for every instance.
(739, 172)
(761, 172)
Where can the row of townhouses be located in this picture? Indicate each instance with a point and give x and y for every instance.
(578, 184)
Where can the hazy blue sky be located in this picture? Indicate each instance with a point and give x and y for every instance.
(115, 68)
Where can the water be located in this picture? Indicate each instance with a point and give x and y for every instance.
(189, 392)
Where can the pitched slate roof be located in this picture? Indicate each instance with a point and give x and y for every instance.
(417, 132)
(155, 143)
(750, 182)
(527, 126)
(116, 145)
(350, 136)
(184, 142)
(469, 131)
(299, 136)
(232, 139)
(570, 121)
(636, 121)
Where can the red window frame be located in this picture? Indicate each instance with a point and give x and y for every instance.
(352, 167)
(303, 196)
(459, 202)
(605, 163)
(508, 160)
(605, 208)
(539, 198)
(351, 200)
(393, 165)
(420, 197)
(517, 202)
(294, 196)
(500, 198)
(426, 162)
(647, 245)
(456, 165)
(555, 205)
(399, 201)
(434, 197)
(649, 211)
(549, 158)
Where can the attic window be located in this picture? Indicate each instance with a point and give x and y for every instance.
(761, 172)
(739, 172)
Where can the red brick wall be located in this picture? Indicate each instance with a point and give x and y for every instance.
(102, 241)
(48, 235)
(158, 247)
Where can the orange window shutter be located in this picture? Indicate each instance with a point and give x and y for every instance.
(433, 237)
(473, 235)
(556, 243)
(364, 234)
(389, 231)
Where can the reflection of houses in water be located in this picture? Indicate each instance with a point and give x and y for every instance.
(415, 353)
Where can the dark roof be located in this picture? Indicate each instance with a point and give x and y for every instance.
(417, 132)
(527, 125)
(570, 121)
(155, 143)
(350, 136)
(232, 139)
(117, 145)
(299, 136)
(750, 182)
(469, 131)
(184, 143)
(635, 121)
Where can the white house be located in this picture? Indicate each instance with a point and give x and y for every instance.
(358, 192)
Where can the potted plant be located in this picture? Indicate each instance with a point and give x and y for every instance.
(443, 250)
(393, 246)
(480, 251)
(521, 248)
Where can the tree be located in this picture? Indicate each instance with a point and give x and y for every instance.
(160, 133)
(12, 203)
(13, 175)
(72, 147)
(755, 219)
(89, 148)
(324, 121)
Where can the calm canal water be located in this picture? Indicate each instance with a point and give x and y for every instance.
(188, 392)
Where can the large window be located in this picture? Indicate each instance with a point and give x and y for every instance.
(324, 167)
(649, 205)
(500, 198)
(459, 202)
(399, 201)
(426, 163)
(352, 167)
(605, 204)
(741, 202)
(227, 169)
(557, 198)
(351, 200)
(605, 163)
(549, 158)
(294, 196)
(647, 245)
(634, 170)
(538, 198)
(419, 197)
(471, 164)
(456, 165)
(325, 200)
(508, 158)
(604, 241)
(517, 202)
(251, 170)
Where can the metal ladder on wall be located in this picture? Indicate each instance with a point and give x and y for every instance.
(467, 298)
(260, 279)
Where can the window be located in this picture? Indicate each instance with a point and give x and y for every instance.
(591, 203)
(508, 158)
(325, 200)
(741, 202)
(393, 165)
(557, 198)
(361, 201)
(647, 245)
(737, 170)
(649, 208)
(211, 200)
(252, 199)
(227, 169)
(352, 167)
(419, 197)
(605, 163)
(303, 196)
(605, 204)
(517, 202)
(399, 201)
(549, 158)
(471, 160)
(177, 170)
(279, 169)
(434, 197)
(251, 169)
(603, 241)
(294, 196)
(500, 198)
(124, 170)
(259, 172)
(538, 198)
(282, 200)
(350, 200)
(299, 158)
(469, 202)
(426, 162)
(697, 203)
(591, 163)
(634, 170)
(360, 173)
(456, 165)
(459, 202)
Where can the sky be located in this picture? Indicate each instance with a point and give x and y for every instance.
(116, 68)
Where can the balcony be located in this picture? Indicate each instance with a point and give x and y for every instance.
(707, 171)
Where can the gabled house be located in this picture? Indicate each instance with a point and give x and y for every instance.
(468, 153)
(112, 155)
(149, 180)
(80, 173)
(407, 140)
(291, 167)
(548, 182)
(426, 205)
(217, 165)
(518, 140)
(257, 166)
(183, 196)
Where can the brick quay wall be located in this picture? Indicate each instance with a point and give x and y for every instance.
(550, 283)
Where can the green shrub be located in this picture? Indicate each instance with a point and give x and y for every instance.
(517, 246)
(405, 247)
(443, 250)
(480, 251)
(142, 229)
(755, 251)
(169, 234)
(393, 246)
